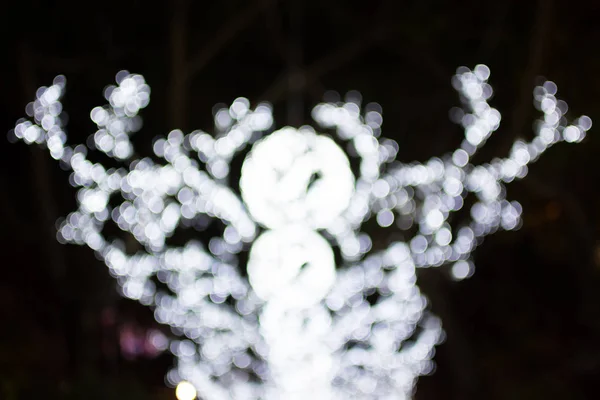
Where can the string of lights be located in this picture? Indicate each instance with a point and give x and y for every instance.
(298, 325)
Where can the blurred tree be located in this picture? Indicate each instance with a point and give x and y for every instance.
(407, 49)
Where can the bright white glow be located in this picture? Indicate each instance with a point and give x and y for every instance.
(300, 327)
(461, 270)
(295, 175)
(185, 391)
(293, 265)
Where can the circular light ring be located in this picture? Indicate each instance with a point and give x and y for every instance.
(293, 265)
(296, 176)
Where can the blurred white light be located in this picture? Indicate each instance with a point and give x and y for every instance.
(461, 270)
(296, 175)
(292, 265)
(385, 218)
(185, 391)
(285, 332)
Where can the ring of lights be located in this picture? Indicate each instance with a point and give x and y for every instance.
(296, 176)
(293, 265)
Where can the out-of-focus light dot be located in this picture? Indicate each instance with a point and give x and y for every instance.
(482, 71)
(385, 218)
(550, 87)
(473, 90)
(418, 244)
(460, 158)
(239, 108)
(185, 195)
(381, 188)
(222, 119)
(262, 118)
(51, 94)
(453, 186)
(374, 119)
(548, 105)
(365, 144)
(474, 135)
(562, 106)
(585, 122)
(365, 243)
(185, 391)
(242, 360)
(434, 219)
(461, 270)
(231, 236)
(547, 135)
(99, 115)
(59, 80)
(456, 114)
(552, 118)
(216, 247)
(121, 75)
(572, 134)
(94, 201)
(175, 137)
(224, 146)
(443, 236)
(219, 169)
(353, 97)
(158, 340)
(122, 150)
(32, 133)
(510, 168)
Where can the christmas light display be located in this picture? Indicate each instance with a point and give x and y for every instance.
(297, 326)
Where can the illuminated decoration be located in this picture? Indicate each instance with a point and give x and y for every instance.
(299, 326)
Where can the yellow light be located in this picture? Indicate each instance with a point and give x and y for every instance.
(185, 391)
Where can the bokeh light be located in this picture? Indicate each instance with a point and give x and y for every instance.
(299, 326)
(185, 391)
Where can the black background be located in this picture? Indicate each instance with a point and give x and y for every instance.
(525, 326)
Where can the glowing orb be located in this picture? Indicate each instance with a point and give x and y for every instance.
(296, 176)
(185, 391)
(294, 265)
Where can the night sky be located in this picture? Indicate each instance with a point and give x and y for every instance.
(525, 326)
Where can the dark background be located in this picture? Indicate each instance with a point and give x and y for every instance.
(525, 326)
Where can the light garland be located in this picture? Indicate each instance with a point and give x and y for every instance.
(298, 327)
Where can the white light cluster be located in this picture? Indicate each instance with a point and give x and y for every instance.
(300, 327)
(427, 194)
(47, 126)
(119, 119)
